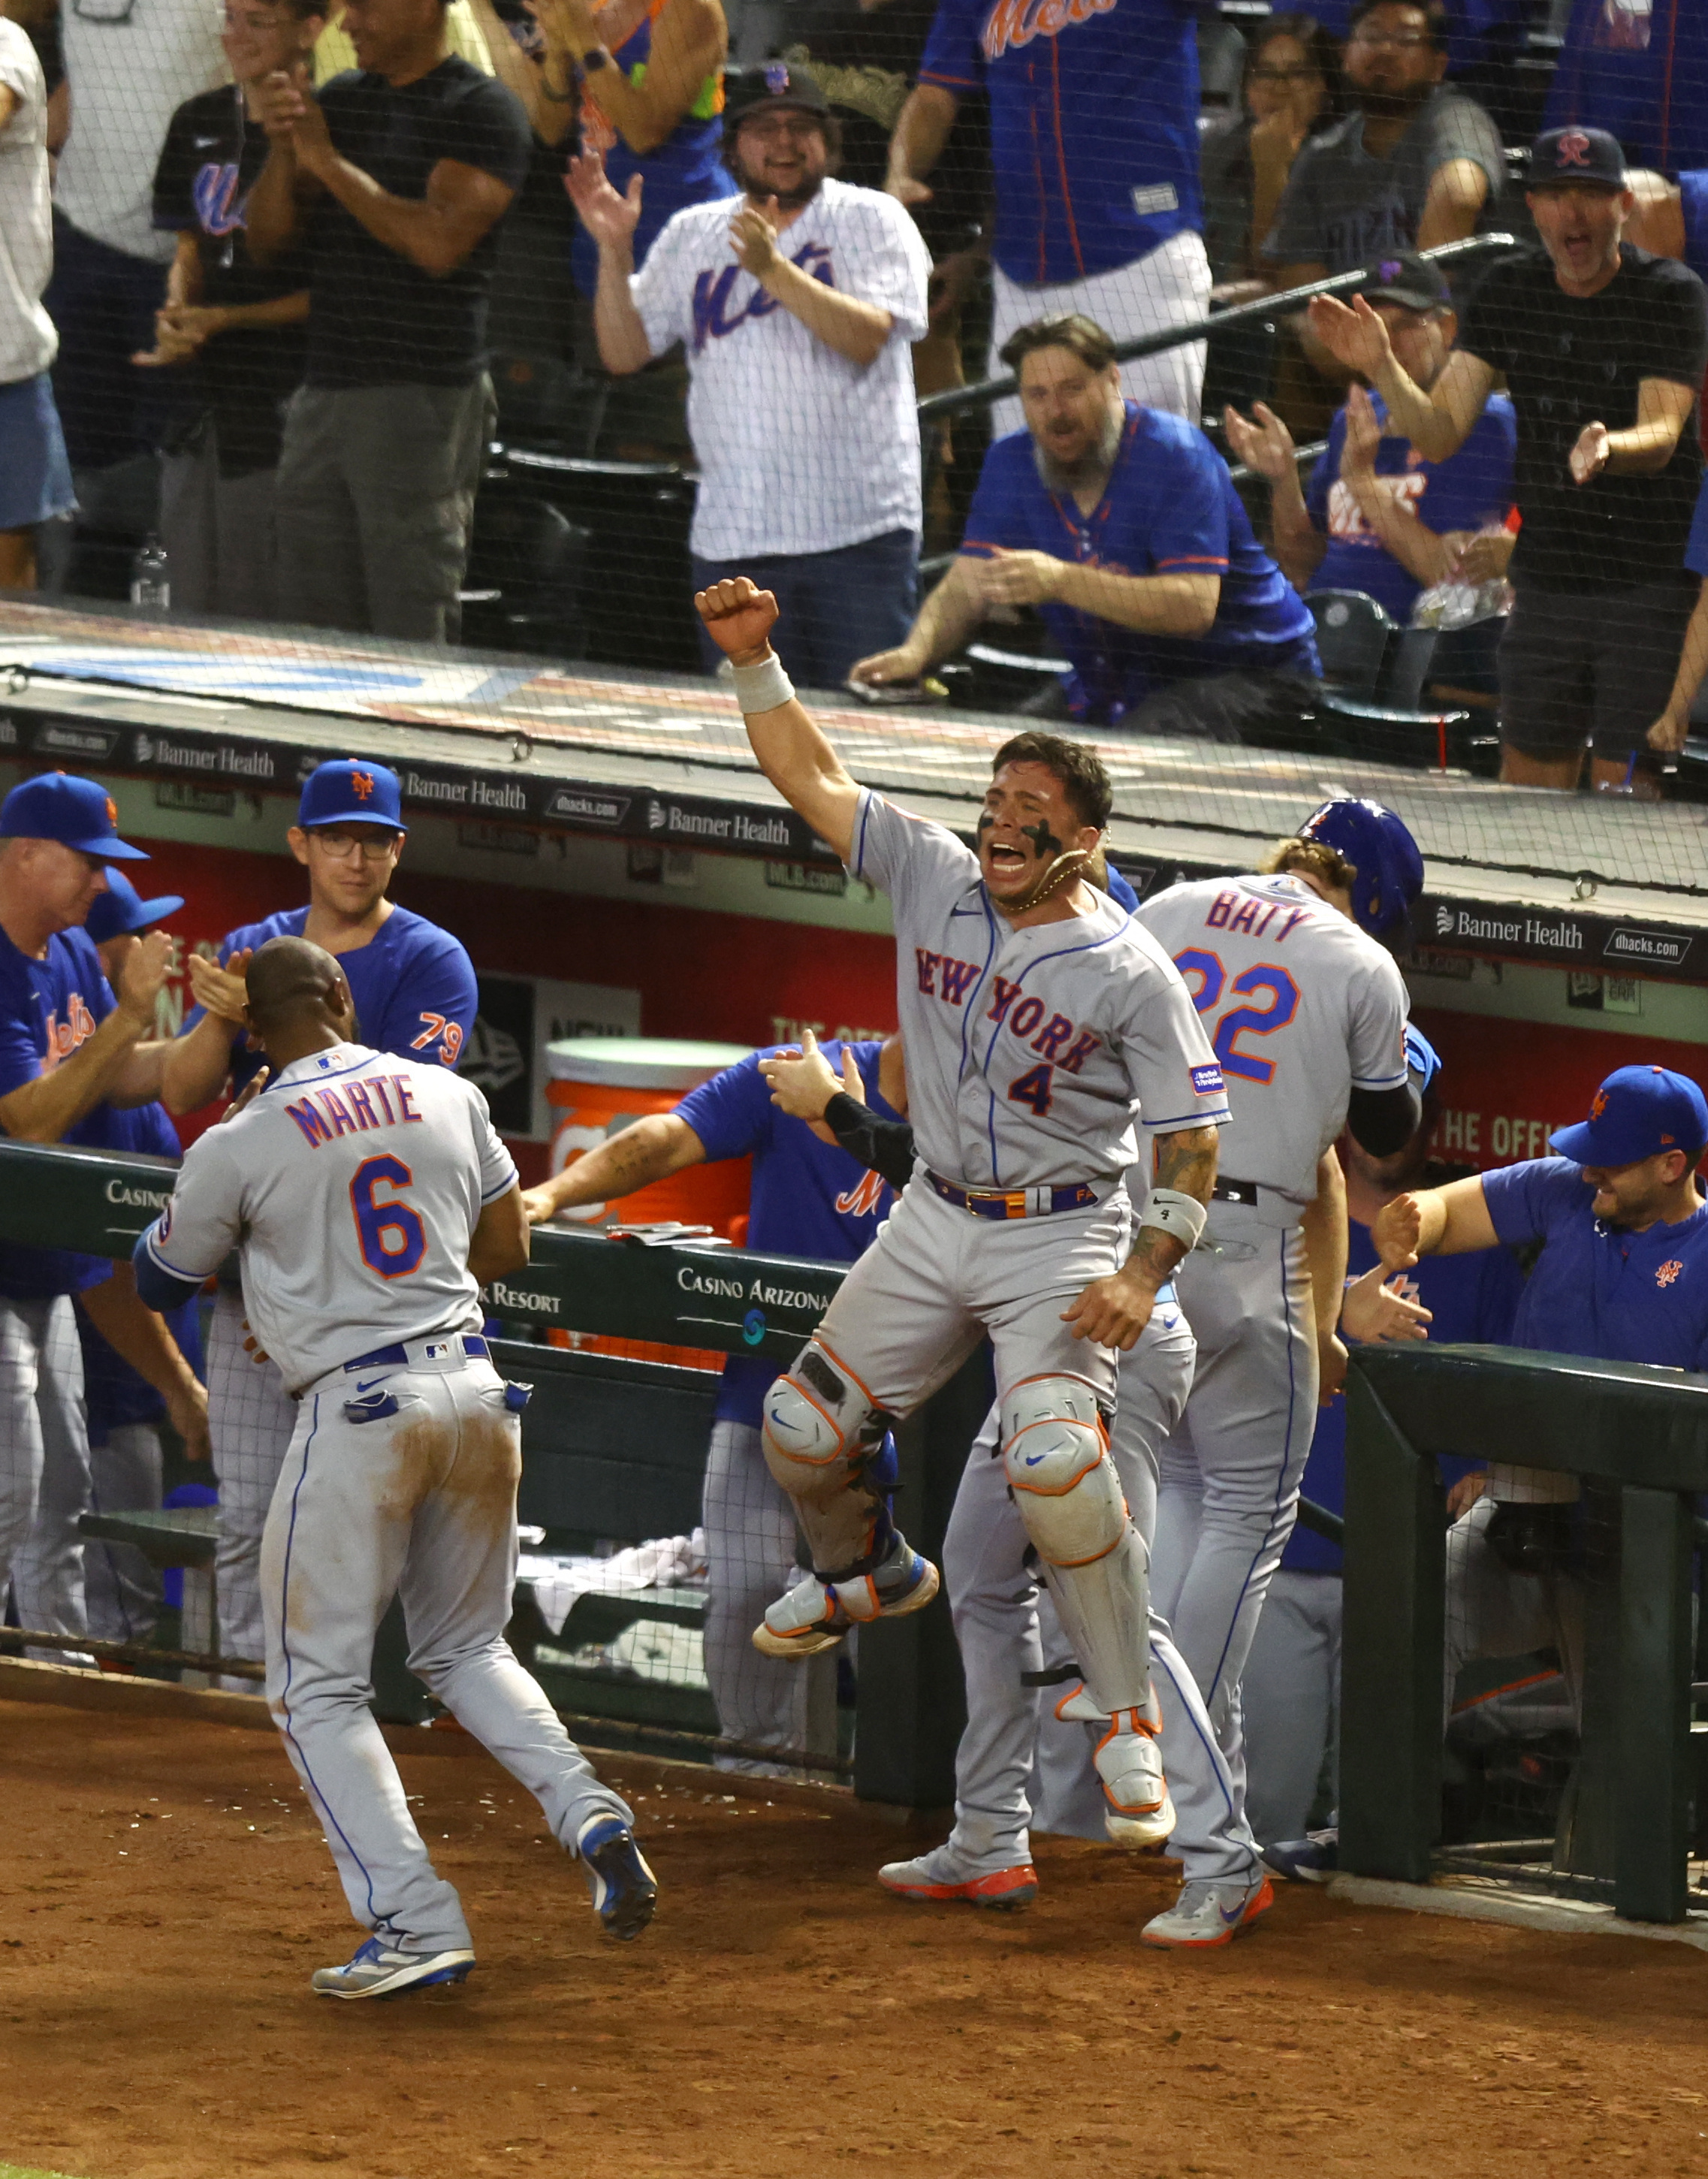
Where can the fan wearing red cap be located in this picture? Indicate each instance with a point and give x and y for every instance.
(66, 1044)
(414, 993)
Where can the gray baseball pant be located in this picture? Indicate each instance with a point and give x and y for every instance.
(750, 1555)
(251, 1418)
(124, 1590)
(420, 1504)
(44, 1464)
(1291, 1702)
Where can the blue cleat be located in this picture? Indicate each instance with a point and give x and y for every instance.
(376, 1970)
(624, 1890)
(1312, 1859)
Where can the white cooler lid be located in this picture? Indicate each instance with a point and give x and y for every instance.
(641, 1063)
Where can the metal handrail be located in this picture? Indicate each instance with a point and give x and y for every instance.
(987, 390)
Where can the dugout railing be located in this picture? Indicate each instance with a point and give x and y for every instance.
(1636, 1439)
(616, 1448)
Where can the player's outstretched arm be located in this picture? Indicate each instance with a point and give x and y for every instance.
(651, 1149)
(499, 1243)
(40, 1111)
(1114, 1311)
(793, 756)
(1434, 1222)
(141, 1338)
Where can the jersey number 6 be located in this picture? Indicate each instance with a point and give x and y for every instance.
(377, 1222)
(1241, 1021)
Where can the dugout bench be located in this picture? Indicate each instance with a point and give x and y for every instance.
(614, 1448)
(1637, 1438)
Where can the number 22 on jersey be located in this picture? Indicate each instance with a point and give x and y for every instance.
(1261, 1000)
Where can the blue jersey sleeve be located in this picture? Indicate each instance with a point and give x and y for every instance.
(997, 519)
(951, 59)
(1526, 1202)
(20, 1018)
(1696, 551)
(438, 998)
(1498, 1293)
(1188, 516)
(733, 1114)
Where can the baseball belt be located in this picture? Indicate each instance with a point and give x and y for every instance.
(1235, 1191)
(1016, 1202)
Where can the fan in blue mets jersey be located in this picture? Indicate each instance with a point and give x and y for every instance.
(369, 1199)
(414, 994)
(1094, 138)
(808, 1198)
(1039, 1022)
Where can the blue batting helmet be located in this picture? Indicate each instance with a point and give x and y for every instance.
(1390, 868)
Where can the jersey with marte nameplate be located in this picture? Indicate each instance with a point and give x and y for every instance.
(1301, 1007)
(352, 1183)
(1032, 1054)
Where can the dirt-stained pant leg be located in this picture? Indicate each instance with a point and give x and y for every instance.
(421, 1500)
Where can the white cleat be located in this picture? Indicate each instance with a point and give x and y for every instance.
(815, 1615)
(1139, 1814)
(1206, 1915)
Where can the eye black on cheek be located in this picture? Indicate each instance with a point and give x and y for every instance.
(987, 819)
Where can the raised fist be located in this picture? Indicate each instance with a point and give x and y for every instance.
(740, 617)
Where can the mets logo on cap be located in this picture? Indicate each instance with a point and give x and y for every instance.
(776, 78)
(1598, 1104)
(362, 785)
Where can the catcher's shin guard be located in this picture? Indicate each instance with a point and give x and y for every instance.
(827, 1443)
(1056, 1456)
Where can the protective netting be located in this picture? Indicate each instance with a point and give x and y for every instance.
(340, 325)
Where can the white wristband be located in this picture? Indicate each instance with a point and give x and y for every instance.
(1183, 1217)
(761, 686)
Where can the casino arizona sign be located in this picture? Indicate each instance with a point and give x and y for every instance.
(1013, 23)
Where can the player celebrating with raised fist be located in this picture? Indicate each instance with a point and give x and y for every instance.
(370, 1199)
(414, 988)
(1036, 1017)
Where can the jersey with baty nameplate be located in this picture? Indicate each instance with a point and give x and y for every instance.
(1302, 1006)
(1031, 1053)
(350, 1183)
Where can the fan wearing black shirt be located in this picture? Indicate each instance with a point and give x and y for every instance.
(394, 180)
(237, 326)
(1603, 349)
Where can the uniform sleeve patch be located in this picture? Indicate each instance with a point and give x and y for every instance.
(1207, 1081)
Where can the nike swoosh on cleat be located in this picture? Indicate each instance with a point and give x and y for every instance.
(1238, 1914)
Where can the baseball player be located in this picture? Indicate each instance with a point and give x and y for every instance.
(66, 1044)
(808, 1198)
(362, 1264)
(414, 987)
(1035, 1016)
(1001, 1764)
(1307, 1014)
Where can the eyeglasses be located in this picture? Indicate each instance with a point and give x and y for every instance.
(1404, 42)
(342, 845)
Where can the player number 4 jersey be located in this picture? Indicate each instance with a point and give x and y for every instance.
(1030, 1053)
(1301, 1007)
(353, 1184)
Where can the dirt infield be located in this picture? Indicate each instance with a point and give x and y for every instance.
(167, 1895)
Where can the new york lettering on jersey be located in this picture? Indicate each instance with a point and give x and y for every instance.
(1301, 1007)
(1028, 1050)
(338, 1229)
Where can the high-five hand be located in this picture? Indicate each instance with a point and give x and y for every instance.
(739, 617)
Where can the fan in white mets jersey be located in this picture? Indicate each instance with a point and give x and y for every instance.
(368, 1197)
(1039, 1020)
(1307, 1011)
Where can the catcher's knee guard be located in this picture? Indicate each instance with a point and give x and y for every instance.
(1056, 1456)
(824, 1440)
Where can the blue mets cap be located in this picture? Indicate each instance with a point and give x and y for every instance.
(1380, 847)
(349, 790)
(1638, 1113)
(78, 813)
(122, 909)
(1423, 1063)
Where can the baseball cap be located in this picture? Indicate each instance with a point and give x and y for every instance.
(122, 908)
(1638, 1113)
(1414, 282)
(1584, 155)
(770, 85)
(349, 790)
(78, 813)
(1423, 1063)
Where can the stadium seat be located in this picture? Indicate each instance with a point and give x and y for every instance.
(1352, 636)
(522, 589)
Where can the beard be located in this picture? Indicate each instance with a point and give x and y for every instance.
(1393, 105)
(759, 191)
(1093, 466)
